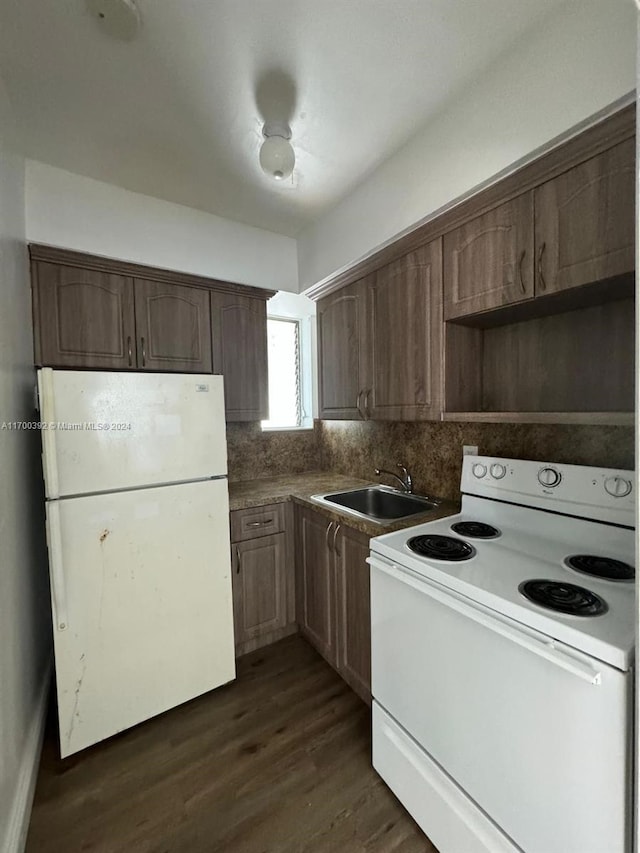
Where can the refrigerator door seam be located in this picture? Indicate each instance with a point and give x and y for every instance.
(141, 488)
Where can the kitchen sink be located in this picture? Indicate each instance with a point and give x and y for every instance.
(377, 503)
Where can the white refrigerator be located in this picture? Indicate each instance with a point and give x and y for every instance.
(138, 535)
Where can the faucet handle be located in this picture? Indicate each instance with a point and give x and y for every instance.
(406, 476)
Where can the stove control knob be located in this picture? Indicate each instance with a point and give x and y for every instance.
(479, 470)
(497, 471)
(549, 477)
(617, 487)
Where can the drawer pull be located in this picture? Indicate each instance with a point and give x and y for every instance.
(237, 560)
(259, 523)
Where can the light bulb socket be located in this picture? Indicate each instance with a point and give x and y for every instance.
(276, 128)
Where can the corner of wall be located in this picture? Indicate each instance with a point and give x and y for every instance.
(20, 811)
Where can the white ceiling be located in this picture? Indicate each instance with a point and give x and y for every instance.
(177, 113)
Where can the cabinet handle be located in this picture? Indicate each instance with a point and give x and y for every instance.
(541, 281)
(522, 287)
(259, 523)
(358, 398)
(130, 353)
(237, 560)
(326, 535)
(367, 411)
(335, 537)
(144, 352)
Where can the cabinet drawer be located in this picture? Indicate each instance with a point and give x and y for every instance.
(257, 521)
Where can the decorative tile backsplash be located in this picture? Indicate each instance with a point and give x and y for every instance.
(431, 451)
(253, 453)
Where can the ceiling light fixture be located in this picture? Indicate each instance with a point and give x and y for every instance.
(277, 157)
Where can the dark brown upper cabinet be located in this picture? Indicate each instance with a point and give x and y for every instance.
(404, 307)
(379, 343)
(239, 327)
(342, 352)
(173, 327)
(83, 318)
(585, 222)
(95, 312)
(489, 261)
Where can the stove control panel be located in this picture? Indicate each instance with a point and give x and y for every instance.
(602, 494)
(549, 477)
(618, 487)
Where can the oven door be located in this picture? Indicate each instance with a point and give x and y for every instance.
(533, 731)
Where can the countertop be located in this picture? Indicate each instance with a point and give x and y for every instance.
(299, 488)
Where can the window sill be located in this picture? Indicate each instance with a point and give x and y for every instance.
(288, 429)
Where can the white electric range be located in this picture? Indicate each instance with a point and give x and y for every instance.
(502, 661)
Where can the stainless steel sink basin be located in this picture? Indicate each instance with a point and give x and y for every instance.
(377, 503)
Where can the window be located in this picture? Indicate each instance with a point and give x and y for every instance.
(285, 385)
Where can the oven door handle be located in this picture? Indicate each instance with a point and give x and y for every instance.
(528, 639)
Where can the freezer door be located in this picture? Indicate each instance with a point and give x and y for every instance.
(142, 610)
(105, 431)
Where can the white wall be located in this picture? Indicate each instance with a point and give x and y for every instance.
(65, 209)
(573, 65)
(25, 631)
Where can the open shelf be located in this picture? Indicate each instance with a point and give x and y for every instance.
(574, 367)
(610, 418)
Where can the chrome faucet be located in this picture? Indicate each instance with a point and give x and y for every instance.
(405, 481)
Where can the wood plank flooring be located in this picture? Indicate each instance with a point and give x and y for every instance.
(277, 762)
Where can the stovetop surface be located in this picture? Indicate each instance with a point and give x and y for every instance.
(533, 545)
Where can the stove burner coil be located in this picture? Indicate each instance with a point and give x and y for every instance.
(441, 547)
(563, 597)
(476, 530)
(601, 567)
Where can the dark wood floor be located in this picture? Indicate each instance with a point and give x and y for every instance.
(277, 762)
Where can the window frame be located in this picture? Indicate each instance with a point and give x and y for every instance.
(305, 422)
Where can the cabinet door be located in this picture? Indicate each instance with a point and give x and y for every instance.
(240, 354)
(174, 327)
(316, 610)
(83, 318)
(353, 610)
(488, 262)
(342, 352)
(585, 222)
(259, 587)
(405, 330)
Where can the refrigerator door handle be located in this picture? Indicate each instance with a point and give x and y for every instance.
(48, 418)
(58, 592)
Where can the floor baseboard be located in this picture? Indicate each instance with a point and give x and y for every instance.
(16, 833)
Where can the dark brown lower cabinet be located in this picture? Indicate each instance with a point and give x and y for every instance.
(262, 576)
(333, 603)
(314, 583)
(353, 605)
